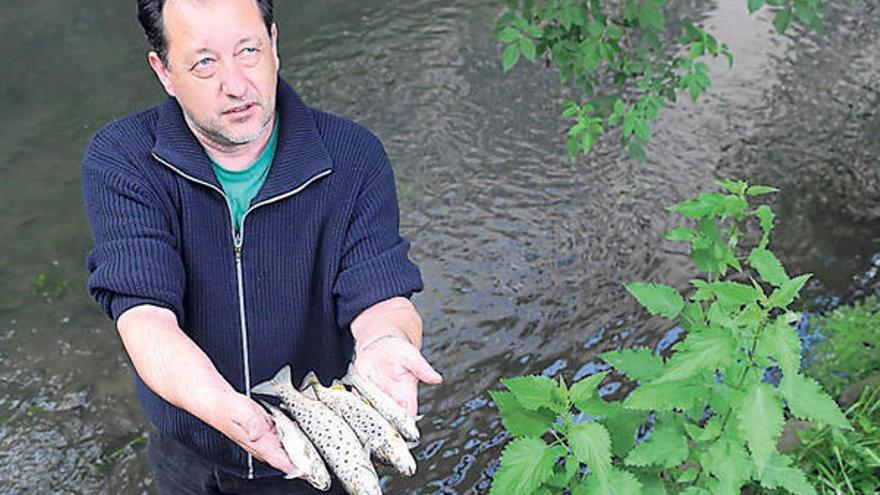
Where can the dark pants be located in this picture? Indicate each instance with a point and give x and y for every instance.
(178, 470)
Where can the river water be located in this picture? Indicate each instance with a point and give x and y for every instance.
(522, 252)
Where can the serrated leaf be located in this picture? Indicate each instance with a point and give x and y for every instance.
(782, 342)
(782, 20)
(510, 56)
(808, 401)
(765, 216)
(728, 461)
(526, 464)
(734, 186)
(666, 396)
(768, 267)
(622, 426)
(679, 234)
(666, 447)
(779, 473)
(534, 392)
(639, 364)
(528, 49)
(760, 422)
(786, 294)
(652, 484)
(734, 293)
(618, 483)
(759, 190)
(701, 351)
(518, 420)
(705, 205)
(591, 444)
(507, 35)
(562, 475)
(755, 5)
(584, 390)
(658, 299)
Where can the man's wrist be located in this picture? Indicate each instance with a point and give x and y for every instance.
(396, 316)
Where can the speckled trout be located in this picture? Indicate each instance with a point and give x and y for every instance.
(331, 435)
(373, 430)
(308, 463)
(382, 402)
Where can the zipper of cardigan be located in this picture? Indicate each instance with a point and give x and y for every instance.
(237, 246)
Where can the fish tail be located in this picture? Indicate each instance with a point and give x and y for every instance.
(337, 385)
(281, 379)
(310, 380)
(348, 379)
(269, 407)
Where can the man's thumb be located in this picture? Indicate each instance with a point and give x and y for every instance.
(251, 422)
(419, 367)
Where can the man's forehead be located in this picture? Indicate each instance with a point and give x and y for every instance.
(196, 25)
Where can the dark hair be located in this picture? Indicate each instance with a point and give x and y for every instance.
(150, 16)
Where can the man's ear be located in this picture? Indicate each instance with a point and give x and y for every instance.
(161, 71)
(274, 38)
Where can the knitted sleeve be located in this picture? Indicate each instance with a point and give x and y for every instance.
(135, 259)
(374, 263)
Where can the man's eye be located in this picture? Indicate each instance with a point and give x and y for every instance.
(249, 51)
(204, 62)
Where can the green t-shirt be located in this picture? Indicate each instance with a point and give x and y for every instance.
(241, 187)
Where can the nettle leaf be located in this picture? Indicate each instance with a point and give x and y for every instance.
(760, 422)
(705, 205)
(667, 447)
(585, 390)
(768, 267)
(507, 35)
(619, 482)
(658, 299)
(705, 350)
(728, 461)
(510, 56)
(784, 295)
(639, 363)
(563, 474)
(528, 49)
(779, 473)
(534, 392)
(652, 484)
(666, 396)
(755, 5)
(759, 190)
(520, 421)
(526, 464)
(808, 401)
(765, 216)
(622, 426)
(734, 186)
(680, 234)
(591, 444)
(734, 293)
(782, 342)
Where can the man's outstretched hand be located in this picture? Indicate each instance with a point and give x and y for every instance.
(247, 424)
(396, 366)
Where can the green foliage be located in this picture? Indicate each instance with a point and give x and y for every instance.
(616, 55)
(849, 351)
(845, 462)
(715, 422)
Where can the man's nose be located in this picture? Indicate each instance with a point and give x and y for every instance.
(233, 82)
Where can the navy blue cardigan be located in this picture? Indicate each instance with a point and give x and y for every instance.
(319, 244)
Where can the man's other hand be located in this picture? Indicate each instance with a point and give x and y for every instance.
(248, 425)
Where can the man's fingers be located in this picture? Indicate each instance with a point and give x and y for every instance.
(418, 366)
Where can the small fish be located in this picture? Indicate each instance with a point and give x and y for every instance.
(309, 465)
(331, 435)
(373, 430)
(387, 407)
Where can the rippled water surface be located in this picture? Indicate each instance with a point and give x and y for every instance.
(523, 253)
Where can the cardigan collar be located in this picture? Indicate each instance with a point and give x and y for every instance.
(299, 157)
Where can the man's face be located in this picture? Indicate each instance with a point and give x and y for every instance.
(222, 68)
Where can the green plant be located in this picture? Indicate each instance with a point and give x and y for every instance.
(845, 462)
(622, 45)
(714, 420)
(848, 352)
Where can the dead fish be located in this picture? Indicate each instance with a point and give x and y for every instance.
(331, 435)
(308, 463)
(373, 430)
(382, 402)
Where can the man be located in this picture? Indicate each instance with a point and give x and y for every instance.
(237, 231)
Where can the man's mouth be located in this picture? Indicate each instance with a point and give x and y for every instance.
(239, 109)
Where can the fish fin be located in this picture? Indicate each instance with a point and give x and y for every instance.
(281, 379)
(337, 385)
(347, 379)
(310, 393)
(412, 445)
(419, 417)
(269, 407)
(310, 380)
(296, 473)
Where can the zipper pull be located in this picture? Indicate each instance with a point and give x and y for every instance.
(236, 245)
